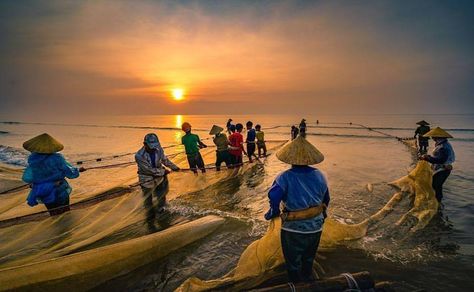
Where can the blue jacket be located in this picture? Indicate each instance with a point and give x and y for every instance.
(443, 154)
(299, 187)
(47, 172)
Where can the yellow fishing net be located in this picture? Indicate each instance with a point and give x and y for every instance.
(262, 259)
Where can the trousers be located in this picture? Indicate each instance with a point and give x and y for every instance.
(438, 180)
(299, 251)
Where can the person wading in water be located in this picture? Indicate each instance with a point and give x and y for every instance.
(152, 175)
(46, 172)
(422, 141)
(303, 190)
(441, 159)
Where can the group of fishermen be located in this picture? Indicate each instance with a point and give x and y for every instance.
(229, 150)
(301, 189)
(300, 130)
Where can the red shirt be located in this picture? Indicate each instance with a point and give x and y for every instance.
(236, 139)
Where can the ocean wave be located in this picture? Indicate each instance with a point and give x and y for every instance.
(14, 156)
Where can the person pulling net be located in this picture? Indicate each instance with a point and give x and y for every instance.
(264, 258)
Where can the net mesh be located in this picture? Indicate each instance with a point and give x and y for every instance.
(262, 259)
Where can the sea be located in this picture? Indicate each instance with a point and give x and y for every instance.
(362, 156)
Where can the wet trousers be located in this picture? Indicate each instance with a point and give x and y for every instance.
(423, 146)
(195, 161)
(58, 207)
(262, 147)
(438, 180)
(158, 190)
(223, 156)
(299, 251)
(250, 150)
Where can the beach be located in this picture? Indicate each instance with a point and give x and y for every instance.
(359, 164)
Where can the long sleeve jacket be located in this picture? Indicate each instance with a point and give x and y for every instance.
(147, 170)
(46, 173)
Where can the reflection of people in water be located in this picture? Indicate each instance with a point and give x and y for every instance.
(47, 171)
(441, 159)
(151, 173)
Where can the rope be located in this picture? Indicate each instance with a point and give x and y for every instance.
(78, 205)
(84, 203)
(98, 159)
(21, 187)
(351, 282)
(292, 286)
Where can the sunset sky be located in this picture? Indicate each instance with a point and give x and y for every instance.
(322, 57)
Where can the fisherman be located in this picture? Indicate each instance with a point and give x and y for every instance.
(151, 173)
(46, 172)
(294, 132)
(303, 128)
(236, 141)
(261, 146)
(305, 196)
(222, 144)
(229, 123)
(250, 140)
(192, 144)
(441, 159)
(422, 141)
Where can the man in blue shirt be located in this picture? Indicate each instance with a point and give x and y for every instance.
(303, 190)
(250, 141)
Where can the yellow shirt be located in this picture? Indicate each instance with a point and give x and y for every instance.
(260, 136)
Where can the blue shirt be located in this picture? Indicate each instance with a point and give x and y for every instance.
(251, 134)
(47, 172)
(152, 158)
(299, 187)
(443, 154)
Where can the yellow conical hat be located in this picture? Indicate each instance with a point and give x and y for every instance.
(216, 130)
(438, 133)
(300, 152)
(44, 144)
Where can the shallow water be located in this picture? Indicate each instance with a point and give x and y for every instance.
(354, 157)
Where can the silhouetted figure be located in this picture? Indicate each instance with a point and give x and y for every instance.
(228, 125)
(303, 128)
(420, 132)
(294, 132)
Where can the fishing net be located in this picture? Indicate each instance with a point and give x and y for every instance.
(263, 259)
(32, 238)
(85, 270)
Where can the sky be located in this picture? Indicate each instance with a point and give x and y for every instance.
(64, 57)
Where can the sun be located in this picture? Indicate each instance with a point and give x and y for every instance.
(177, 93)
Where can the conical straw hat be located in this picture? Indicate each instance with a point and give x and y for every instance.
(438, 133)
(423, 123)
(44, 144)
(300, 152)
(216, 130)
